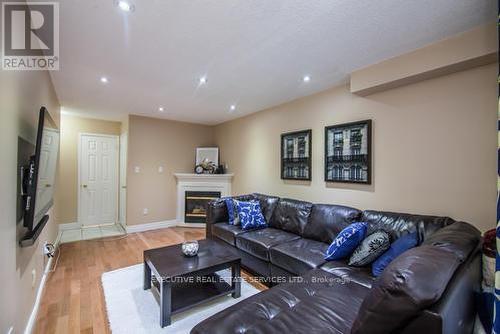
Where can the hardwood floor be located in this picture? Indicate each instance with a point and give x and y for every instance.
(73, 300)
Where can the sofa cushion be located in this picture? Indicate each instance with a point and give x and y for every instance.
(267, 204)
(358, 275)
(370, 249)
(326, 221)
(397, 224)
(317, 304)
(232, 212)
(226, 232)
(298, 256)
(258, 243)
(291, 215)
(397, 248)
(250, 215)
(217, 212)
(346, 241)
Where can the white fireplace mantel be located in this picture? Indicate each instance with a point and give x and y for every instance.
(199, 182)
(212, 178)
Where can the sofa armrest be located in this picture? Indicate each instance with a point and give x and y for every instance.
(456, 310)
(216, 212)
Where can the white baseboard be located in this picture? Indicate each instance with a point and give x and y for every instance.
(151, 226)
(162, 224)
(41, 287)
(69, 226)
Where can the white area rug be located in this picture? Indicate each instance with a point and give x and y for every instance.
(134, 310)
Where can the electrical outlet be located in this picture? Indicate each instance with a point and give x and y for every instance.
(145, 211)
(33, 278)
(48, 249)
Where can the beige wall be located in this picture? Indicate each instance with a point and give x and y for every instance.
(434, 147)
(153, 143)
(22, 93)
(67, 192)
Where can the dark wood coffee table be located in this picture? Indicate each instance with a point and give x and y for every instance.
(179, 282)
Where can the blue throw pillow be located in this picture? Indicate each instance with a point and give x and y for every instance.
(250, 215)
(346, 241)
(232, 212)
(397, 248)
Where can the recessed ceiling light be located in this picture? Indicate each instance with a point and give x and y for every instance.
(104, 80)
(160, 109)
(125, 6)
(203, 80)
(232, 107)
(306, 78)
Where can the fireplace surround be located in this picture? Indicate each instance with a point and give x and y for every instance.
(203, 183)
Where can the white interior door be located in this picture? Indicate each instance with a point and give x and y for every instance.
(98, 169)
(123, 179)
(47, 169)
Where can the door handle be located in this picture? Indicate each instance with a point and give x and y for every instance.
(124, 187)
(84, 185)
(48, 185)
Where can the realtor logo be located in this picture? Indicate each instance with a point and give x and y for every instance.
(30, 36)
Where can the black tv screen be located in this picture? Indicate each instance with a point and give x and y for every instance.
(42, 171)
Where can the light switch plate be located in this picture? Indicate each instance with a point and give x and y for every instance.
(137, 169)
(160, 169)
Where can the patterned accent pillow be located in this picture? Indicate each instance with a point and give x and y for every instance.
(370, 249)
(346, 241)
(232, 212)
(250, 215)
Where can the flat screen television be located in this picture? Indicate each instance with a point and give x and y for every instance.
(39, 177)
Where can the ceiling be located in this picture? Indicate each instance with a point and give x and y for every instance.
(254, 53)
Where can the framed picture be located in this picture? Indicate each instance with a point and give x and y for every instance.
(348, 152)
(210, 153)
(296, 155)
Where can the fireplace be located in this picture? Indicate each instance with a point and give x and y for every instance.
(216, 185)
(196, 205)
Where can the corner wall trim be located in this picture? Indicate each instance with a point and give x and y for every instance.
(151, 226)
(41, 287)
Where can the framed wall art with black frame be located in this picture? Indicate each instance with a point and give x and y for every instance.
(296, 155)
(348, 152)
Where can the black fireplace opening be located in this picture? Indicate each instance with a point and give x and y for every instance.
(196, 205)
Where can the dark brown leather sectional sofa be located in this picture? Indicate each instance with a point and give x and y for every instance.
(428, 289)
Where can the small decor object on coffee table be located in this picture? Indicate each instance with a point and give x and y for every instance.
(348, 152)
(179, 282)
(296, 155)
(190, 248)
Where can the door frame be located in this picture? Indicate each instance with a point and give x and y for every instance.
(79, 161)
(123, 165)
